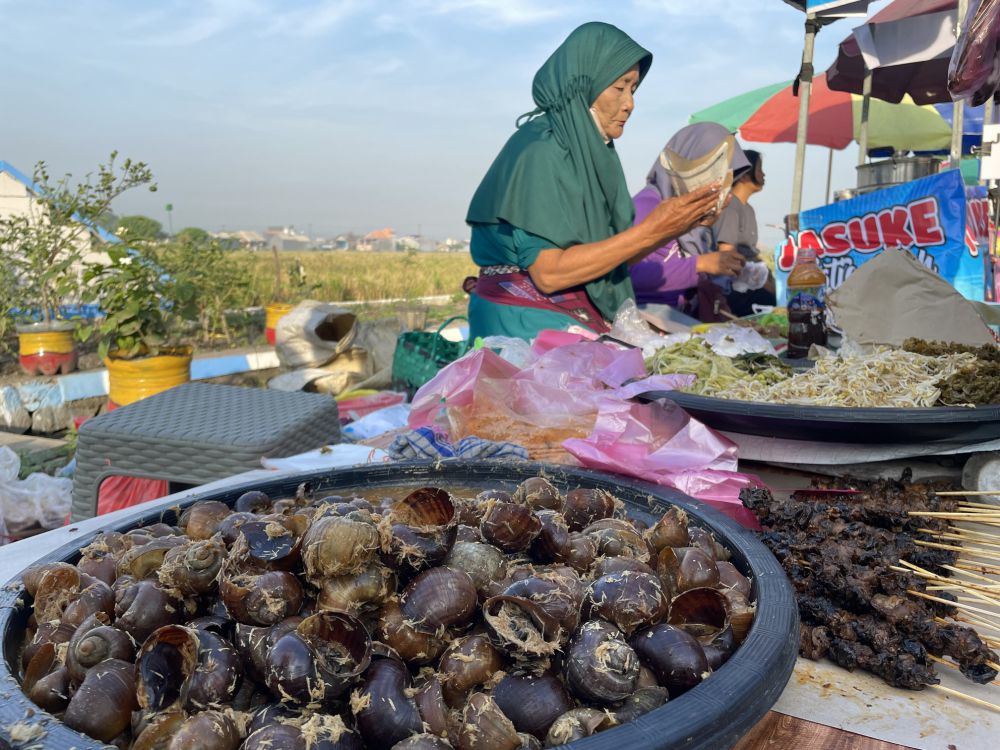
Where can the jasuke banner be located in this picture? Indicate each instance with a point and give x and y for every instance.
(945, 225)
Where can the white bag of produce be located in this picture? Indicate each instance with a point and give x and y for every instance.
(39, 499)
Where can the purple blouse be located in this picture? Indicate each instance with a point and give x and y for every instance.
(661, 276)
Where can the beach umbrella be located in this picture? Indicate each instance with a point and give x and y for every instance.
(906, 47)
(767, 115)
(818, 13)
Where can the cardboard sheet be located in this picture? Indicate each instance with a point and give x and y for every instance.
(894, 297)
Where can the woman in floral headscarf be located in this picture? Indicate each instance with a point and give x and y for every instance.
(552, 219)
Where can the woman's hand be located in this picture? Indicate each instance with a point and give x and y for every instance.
(675, 216)
(720, 263)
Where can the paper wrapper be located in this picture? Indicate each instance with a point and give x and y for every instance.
(894, 297)
(690, 174)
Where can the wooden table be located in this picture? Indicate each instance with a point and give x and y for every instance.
(780, 732)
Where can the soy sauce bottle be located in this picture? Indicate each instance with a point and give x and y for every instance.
(806, 310)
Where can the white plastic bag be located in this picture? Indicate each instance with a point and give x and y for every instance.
(39, 499)
(731, 340)
(752, 276)
(632, 328)
(514, 350)
(377, 422)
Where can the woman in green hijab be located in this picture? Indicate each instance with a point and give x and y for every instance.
(552, 219)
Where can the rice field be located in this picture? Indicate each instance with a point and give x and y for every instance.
(341, 276)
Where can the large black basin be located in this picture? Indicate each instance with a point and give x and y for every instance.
(712, 716)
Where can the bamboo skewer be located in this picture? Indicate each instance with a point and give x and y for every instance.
(953, 665)
(968, 504)
(967, 493)
(961, 538)
(989, 554)
(980, 537)
(964, 696)
(974, 566)
(959, 605)
(969, 515)
(968, 573)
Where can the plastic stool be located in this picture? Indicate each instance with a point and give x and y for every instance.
(197, 433)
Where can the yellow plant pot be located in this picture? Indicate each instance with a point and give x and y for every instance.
(272, 314)
(130, 380)
(47, 348)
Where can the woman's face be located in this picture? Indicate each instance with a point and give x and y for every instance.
(614, 105)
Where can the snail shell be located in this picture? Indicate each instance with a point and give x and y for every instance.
(642, 701)
(614, 537)
(201, 520)
(45, 681)
(600, 666)
(143, 606)
(96, 598)
(412, 645)
(420, 529)
(192, 568)
(670, 531)
(675, 657)
(577, 724)
(532, 702)
(553, 540)
(318, 732)
(320, 659)
(93, 642)
(467, 663)
(365, 590)
(253, 501)
(270, 544)
(731, 578)
(509, 526)
(439, 597)
(585, 505)
(626, 599)
(384, 711)
(102, 706)
(144, 560)
(263, 599)
(538, 493)
(580, 552)
(696, 570)
(337, 545)
(208, 730)
(520, 627)
(485, 564)
(485, 727)
(423, 742)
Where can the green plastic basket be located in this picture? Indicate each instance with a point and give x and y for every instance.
(420, 354)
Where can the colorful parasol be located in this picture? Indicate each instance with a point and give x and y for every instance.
(770, 115)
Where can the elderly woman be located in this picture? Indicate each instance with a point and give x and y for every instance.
(552, 219)
(684, 272)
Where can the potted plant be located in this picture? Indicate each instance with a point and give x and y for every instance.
(44, 248)
(145, 309)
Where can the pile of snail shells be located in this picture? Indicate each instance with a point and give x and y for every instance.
(520, 619)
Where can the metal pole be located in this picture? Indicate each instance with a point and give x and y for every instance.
(987, 121)
(829, 175)
(866, 101)
(958, 111)
(805, 85)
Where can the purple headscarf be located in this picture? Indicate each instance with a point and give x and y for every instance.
(692, 142)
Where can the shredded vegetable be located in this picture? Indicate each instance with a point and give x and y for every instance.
(715, 373)
(885, 378)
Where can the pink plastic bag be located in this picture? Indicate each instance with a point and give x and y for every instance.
(660, 443)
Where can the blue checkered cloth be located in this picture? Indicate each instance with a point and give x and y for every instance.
(424, 443)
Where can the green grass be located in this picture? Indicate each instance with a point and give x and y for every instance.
(338, 275)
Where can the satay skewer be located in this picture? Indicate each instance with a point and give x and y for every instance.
(944, 582)
(953, 665)
(985, 516)
(988, 554)
(960, 537)
(965, 696)
(970, 565)
(959, 605)
(967, 493)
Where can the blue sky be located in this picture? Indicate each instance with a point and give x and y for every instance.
(342, 115)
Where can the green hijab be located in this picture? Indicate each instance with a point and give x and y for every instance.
(556, 177)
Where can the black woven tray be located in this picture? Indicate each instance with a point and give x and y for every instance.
(711, 716)
(836, 424)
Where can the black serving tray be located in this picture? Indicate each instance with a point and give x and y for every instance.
(711, 716)
(836, 424)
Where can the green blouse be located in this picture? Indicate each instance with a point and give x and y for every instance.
(505, 245)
